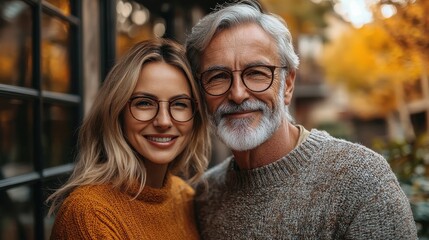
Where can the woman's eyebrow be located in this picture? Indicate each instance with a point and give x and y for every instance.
(142, 94)
(145, 94)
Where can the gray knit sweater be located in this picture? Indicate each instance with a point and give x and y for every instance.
(326, 188)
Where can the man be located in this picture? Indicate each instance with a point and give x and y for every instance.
(282, 182)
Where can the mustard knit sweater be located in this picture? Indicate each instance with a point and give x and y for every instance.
(101, 212)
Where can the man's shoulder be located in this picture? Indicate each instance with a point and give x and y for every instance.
(336, 145)
(218, 170)
(341, 153)
(360, 161)
(214, 177)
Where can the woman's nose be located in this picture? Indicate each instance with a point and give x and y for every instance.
(163, 118)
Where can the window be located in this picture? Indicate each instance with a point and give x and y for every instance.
(40, 108)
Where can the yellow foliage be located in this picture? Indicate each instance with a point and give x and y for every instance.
(369, 63)
(409, 26)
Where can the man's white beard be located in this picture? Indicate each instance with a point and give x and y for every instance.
(239, 134)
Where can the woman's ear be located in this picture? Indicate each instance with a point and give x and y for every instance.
(289, 86)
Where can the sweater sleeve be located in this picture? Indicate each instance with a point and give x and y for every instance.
(387, 215)
(83, 219)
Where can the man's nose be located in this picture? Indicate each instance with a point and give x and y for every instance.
(238, 92)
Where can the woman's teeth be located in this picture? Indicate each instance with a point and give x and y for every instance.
(160, 139)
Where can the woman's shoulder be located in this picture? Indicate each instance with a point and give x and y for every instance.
(88, 197)
(80, 212)
(91, 191)
(181, 185)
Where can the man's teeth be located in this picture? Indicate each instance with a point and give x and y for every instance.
(160, 139)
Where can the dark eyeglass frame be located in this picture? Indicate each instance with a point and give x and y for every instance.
(272, 68)
(193, 105)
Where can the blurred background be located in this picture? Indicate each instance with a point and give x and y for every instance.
(363, 77)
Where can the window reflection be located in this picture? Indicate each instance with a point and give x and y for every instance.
(55, 55)
(15, 43)
(134, 23)
(59, 132)
(16, 137)
(16, 218)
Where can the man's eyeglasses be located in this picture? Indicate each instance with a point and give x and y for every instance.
(145, 108)
(257, 78)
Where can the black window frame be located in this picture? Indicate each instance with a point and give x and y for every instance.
(38, 178)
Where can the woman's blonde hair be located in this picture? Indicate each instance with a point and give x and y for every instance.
(104, 156)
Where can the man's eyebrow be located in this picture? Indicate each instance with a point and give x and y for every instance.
(250, 64)
(216, 67)
(256, 63)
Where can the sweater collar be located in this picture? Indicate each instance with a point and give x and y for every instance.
(150, 194)
(279, 170)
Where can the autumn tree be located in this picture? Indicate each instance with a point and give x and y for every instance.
(409, 27)
(302, 17)
(372, 68)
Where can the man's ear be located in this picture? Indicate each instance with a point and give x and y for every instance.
(289, 86)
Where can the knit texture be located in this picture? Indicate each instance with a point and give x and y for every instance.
(326, 188)
(100, 212)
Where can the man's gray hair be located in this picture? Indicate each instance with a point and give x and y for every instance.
(230, 15)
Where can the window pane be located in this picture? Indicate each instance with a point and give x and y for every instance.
(49, 188)
(62, 5)
(16, 137)
(15, 43)
(55, 55)
(16, 218)
(59, 129)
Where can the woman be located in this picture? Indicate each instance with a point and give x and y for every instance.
(145, 127)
